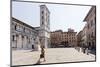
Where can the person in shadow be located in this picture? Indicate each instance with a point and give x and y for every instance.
(42, 55)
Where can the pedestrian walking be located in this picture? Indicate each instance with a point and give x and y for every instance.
(42, 55)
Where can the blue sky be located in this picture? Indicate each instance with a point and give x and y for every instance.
(61, 16)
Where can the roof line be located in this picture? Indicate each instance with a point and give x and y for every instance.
(19, 21)
(89, 12)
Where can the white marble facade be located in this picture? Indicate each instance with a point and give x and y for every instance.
(23, 36)
(45, 26)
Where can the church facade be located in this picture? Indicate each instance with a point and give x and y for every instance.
(24, 36)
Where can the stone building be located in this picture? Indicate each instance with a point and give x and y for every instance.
(44, 26)
(79, 39)
(23, 36)
(84, 36)
(70, 30)
(91, 27)
(55, 38)
(66, 39)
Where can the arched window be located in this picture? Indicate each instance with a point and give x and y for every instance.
(42, 12)
(13, 37)
(42, 17)
(15, 27)
(24, 29)
(42, 22)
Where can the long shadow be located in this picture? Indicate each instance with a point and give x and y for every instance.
(93, 52)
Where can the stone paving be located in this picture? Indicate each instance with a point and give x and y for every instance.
(53, 55)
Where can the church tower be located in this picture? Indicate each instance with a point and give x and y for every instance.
(45, 26)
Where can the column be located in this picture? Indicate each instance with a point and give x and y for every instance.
(37, 44)
(26, 46)
(13, 41)
(19, 42)
(46, 42)
(30, 43)
(22, 41)
(25, 42)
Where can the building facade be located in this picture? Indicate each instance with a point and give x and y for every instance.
(55, 38)
(79, 39)
(45, 26)
(84, 36)
(91, 27)
(23, 36)
(66, 39)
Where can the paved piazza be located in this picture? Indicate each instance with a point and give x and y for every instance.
(53, 55)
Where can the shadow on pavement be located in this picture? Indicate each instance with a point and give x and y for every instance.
(93, 52)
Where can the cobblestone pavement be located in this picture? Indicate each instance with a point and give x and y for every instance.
(53, 55)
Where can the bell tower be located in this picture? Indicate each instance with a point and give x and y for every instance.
(45, 26)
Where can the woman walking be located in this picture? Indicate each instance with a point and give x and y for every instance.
(42, 55)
